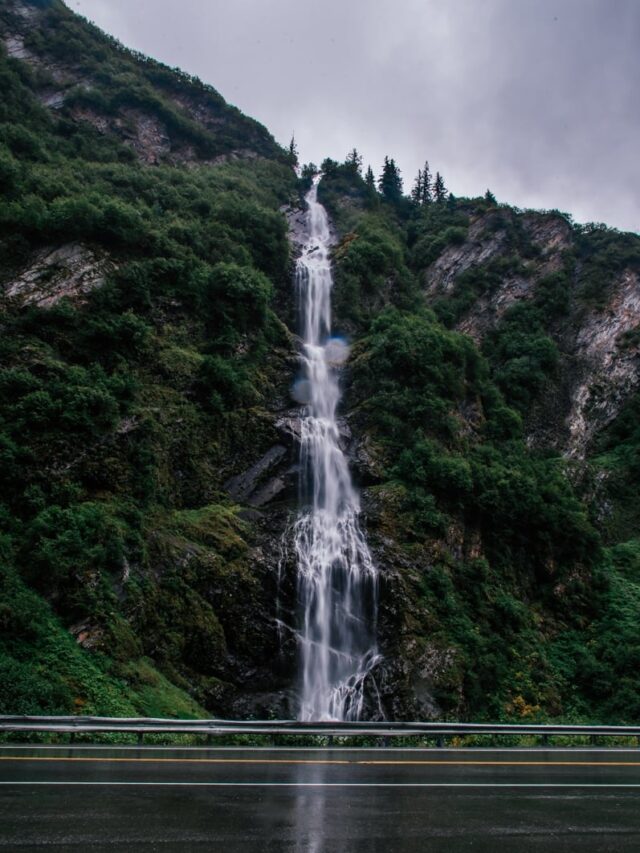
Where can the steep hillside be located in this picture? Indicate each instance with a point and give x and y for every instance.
(490, 402)
(161, 115)
(141, 356)
(149, 443)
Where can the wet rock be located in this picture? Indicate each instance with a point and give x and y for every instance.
(271, 489)
(609, 363)
(479, 248)
(242, 486)
(297, 221)
(250, 515)
(71, 271)
(366, 460)
(87, 635)
(15, 48)
(289, 427)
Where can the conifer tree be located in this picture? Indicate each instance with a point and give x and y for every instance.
(308, 172)
(427, 195)
(370, 181)
(372, 199)
(329, 167)
(390, 182)
(439, 189)
(293, 150)
(354, 161)
(489, 196)
(416, 192)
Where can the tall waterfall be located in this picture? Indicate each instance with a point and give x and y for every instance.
(337, 580)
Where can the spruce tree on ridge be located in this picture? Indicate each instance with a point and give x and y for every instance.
(390, 182)
(439, 189)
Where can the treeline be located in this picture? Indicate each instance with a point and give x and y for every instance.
(388, 186)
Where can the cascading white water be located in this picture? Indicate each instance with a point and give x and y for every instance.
(337, 580)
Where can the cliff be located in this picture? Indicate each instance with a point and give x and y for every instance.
(148, 439)
(490, 403)
(160, 115)
(141, 257)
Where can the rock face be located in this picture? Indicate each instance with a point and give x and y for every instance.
(481, 246)
(70, 271)
(550, 236)
(144, 132)
(608, 357)
(264, 481)
(599, 360)
(15, 48)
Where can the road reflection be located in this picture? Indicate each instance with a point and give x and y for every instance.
(314, 823)
(309, 809)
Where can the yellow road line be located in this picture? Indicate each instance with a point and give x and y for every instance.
(312, 761)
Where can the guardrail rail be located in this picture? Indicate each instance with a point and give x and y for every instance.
(212, 728)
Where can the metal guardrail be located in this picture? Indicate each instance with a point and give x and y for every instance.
(219, 728)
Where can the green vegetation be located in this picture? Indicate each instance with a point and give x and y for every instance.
(127, 578)
(123, 407)
(412, 380)
(536, 618)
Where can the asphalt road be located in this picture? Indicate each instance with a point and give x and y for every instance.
(318, 801)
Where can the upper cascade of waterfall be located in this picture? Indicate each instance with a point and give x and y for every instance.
(337, 580)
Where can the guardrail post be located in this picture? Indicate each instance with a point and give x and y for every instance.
(72, 737)
(440, 742)
(140, 738)
(545, 740)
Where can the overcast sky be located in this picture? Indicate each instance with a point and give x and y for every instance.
(538, 100)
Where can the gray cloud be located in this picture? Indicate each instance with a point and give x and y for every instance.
(536, 99)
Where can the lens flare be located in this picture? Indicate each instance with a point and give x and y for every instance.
(336, 351)
(301, 391)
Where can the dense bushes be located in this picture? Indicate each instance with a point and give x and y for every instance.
(120, 404)
(410, 371)
(522, 354)
(603, 254)
(459, 471)
(414, 379)
(125, 409)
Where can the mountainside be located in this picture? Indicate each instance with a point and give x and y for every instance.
(140, 357)
(491, 398)
(149, 442)
(161, 115)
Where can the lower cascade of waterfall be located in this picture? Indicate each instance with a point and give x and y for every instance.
(337, 580)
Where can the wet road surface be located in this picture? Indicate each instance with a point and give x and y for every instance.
(318, 801)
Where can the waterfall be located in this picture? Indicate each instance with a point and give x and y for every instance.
(337, 580)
